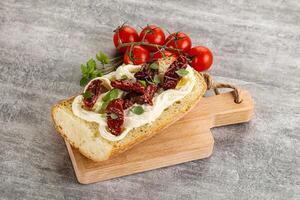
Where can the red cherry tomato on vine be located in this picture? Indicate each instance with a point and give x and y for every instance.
(138, 55)
(153, 35)
(125, 34)
(161, 54)
(179, 40)
(202, 58)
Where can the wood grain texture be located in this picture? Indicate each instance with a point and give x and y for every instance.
(256, 45)
(186, 140)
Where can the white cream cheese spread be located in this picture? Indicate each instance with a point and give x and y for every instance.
(161, 101)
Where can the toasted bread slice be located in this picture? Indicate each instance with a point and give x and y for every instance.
(85, 135)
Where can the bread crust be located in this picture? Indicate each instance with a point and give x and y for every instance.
(134, 137)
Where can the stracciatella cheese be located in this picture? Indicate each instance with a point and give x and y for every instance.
(161, 101)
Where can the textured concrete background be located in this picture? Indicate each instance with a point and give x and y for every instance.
(256, 45)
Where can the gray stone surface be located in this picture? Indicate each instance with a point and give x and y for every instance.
(256, 45)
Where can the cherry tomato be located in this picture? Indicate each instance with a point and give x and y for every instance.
(202, 58)
(179, 40)
(161, 54)
(153, 35)
(126, 34)
(137, 56)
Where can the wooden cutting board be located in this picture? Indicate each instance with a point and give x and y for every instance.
(188, 139)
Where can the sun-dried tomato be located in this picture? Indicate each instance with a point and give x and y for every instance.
(128, 86)
(127, 103)
(146, 73)
(129, 99)
(169, 83)
(171, 78)
(132, 97)
(95, 88)
(115, 116)
(148, 96)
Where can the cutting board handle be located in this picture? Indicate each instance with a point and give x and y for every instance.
(220, 110)
(211, 84)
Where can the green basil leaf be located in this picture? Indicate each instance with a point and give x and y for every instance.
(84, 69)
(98, 73)
(98, 58)
(111, 95)
(154, 65)
(103, 58)
(83, 81)
(143, 83)
(182, 72)
(103, 107)
(106, 97)
(137, 110)
(93, 75)
(156, 79)
(87, 94)
(91, 65)
(114, 93)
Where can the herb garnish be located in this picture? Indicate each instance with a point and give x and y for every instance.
(154, 65)
(156, 79)
(103, 106)
(182, 72)
(143, 83)
(102, 58)
(137, 110)
(87, 94)
(91, 70)
(111, 95)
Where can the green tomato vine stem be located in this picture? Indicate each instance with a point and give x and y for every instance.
(150, 45)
